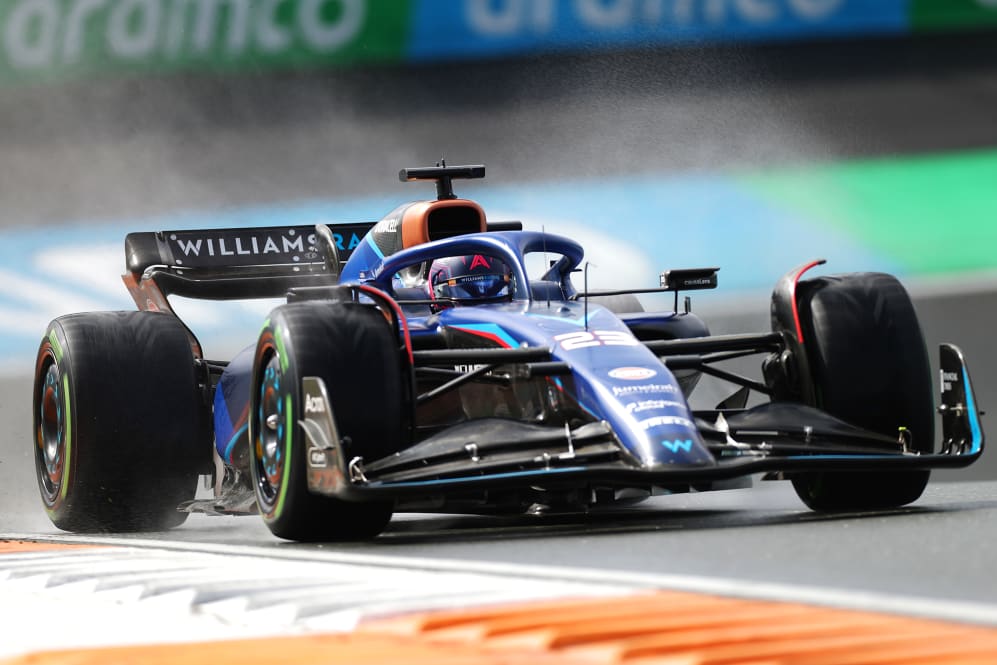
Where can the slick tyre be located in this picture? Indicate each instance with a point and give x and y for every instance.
(356, 353)
(870, 368)
(121, 430)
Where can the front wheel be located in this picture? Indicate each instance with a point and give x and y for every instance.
(870, 368)
(355, 352)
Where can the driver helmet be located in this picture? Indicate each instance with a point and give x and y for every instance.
(471, 277)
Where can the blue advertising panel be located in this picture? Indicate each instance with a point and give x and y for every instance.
(460, 28)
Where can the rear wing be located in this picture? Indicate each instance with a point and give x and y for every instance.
(234, 263)
(241, 263)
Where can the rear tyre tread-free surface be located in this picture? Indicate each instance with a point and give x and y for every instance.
(121, 430)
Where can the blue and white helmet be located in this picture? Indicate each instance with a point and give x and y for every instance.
(471, 277)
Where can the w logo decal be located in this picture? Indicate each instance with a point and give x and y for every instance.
(674, 446)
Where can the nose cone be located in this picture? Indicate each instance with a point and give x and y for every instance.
(655, 424)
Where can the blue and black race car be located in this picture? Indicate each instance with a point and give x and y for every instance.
(442, 362)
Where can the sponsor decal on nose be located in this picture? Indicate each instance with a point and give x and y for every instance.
(632, 373)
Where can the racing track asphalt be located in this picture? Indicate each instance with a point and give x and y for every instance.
(214, 143)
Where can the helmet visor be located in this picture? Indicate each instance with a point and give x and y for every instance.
(477, 286)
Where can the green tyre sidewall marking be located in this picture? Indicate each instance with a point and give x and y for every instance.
(68, 452)
(288, 421)
(56, 346)
(67, 405)
(266, 350)
(56, 350)
(288, 464)
(289, 385)
(281, 349)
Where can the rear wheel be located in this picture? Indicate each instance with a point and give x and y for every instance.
(121, 430)
(870, 368)
(355, 352)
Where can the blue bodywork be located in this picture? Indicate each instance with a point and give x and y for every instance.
(616, 378)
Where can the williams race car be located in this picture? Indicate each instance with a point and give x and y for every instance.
(443, 362)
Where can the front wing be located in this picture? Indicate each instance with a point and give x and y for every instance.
(496, 454)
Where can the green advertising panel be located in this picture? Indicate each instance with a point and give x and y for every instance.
(58, 39)
(54, 40)
(933, 214)
(934, 15)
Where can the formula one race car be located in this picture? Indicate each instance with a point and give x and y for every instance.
(446, 363)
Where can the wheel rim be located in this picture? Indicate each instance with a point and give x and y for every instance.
(50, 432)
(270, 423)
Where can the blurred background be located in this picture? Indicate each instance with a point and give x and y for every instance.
(752, 135)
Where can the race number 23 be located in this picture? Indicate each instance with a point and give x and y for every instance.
(581, 339)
